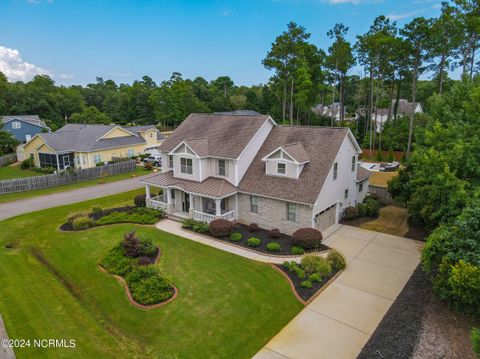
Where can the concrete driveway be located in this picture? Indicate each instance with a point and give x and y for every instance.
(339, 322)
(14, 208)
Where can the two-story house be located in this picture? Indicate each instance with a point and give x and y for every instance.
(23, 127)
(248, 168)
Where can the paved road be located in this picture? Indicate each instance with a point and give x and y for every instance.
(339, 322)
(11, 209)
(5, 353)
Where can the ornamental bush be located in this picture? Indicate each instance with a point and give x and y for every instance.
(274, 233)
(273, 247)
(306, 284)
(297, 250)
(307, 238)
(82, 222)
(350, 213)
(336, 260)
(140, 200)
(26, 164)
(131, 244)
(311, 263)
(253, 242)
(475, 337)
(116, 262)
(253, 227)
(221, 228)
(315, 277)
(147, 286)
(236, 237)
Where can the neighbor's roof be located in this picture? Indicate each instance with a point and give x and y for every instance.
(222, 135)
(84, 138)
(135, 129)
(321, 144)
(362, 173)
(212, 187)
(297, 152)
(32, 119)
(404, 107)
(239, 112)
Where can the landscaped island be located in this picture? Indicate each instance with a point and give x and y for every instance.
(133, 260)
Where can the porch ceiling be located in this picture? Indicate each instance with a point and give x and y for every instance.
(211, 187)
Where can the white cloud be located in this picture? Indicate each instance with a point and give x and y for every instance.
(13, 66)
(403, 15)
(35, 2)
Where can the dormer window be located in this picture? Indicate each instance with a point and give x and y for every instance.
(286, 161)
(281, 169)
(186, 165)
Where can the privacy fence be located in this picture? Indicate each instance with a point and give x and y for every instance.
(385, 155)
(8, 159)
(66, 177)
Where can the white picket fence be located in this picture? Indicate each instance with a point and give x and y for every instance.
(8, 159)
(66, 177)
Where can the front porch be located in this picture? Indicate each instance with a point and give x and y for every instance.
(182, 204)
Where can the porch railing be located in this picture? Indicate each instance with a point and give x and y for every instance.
(206, 217)
(159, 202)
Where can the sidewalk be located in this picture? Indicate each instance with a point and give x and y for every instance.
(5, 353)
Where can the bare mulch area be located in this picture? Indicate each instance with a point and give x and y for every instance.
(416, 231)
(418, 325)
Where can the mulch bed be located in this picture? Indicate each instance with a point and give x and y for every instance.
(357, 222)
(416, 231)
(285, 241)
(305, 293)
(419, 325)
(67, 226)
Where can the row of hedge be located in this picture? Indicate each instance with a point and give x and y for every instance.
(133, 260)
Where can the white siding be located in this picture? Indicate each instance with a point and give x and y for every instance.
(210, 169)
(333, 190)
(249, 153)
(290, 168)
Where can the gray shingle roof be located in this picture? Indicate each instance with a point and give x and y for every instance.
(32, 119)
(297, 152)
(362, 173)
(320, 143)
(84, 138)
(227, 135)
(135, 129)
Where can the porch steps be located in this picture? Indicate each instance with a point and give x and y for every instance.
(175, 218)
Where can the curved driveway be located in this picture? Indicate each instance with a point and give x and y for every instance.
(14, 208)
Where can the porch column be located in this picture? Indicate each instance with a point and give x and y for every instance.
(58, 163)
(147, 191)
(218, 208)
(170, 204)
(192, 204)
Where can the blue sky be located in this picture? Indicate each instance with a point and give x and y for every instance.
(76, 40)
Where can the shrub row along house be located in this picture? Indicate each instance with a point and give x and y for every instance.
(248, 168)
(85, 146)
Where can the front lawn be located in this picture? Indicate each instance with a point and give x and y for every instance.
(52, 287)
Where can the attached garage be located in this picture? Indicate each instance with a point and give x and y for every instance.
(326, 218)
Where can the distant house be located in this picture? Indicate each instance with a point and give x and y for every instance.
(405, 108)
(23, 127)
(249, 168)
(84, 146)
(329, 110)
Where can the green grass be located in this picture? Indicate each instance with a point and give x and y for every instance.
(10, 172)
(139, 171)
(51, 287)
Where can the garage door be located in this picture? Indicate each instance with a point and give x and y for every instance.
(326, 218)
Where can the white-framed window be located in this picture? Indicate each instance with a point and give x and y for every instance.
(130, 153)
(186, 165)
(170, 161)
(281, 168)
(97, 158)
(222, 167)
(346, 194)
(360, 187)
(28, 137)
(16, 125)
(335, 170)
(254, 204)
(354, 163)
(292, 212)
(151, 134)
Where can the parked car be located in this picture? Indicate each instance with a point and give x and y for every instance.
(154, 160)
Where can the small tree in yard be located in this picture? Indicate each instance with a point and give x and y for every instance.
(131, 244)
(307, 238)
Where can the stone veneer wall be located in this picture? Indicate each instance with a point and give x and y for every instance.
(272, 213)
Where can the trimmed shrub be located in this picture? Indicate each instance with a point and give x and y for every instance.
(312, 263)
(236, 237)
(139, 215)
(82, 222)
(274, 233)
(26, 164)
(306, 284)
(253, 227)
(146, 248)
(350, 213)
(475, 337)
(96, 210)
(148, 166)
(253, 242)
(315, 277)
(299, 272)
(201, 227)
(188, 223)
(325, 269)
(307, 238)
(140, 200)
(298, 251)
(221, 228)
(372, 207)
(99, 164)
(336, 260)
(147, 286)
(273, 247)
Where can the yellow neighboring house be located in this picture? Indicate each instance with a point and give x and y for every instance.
(83, 146)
